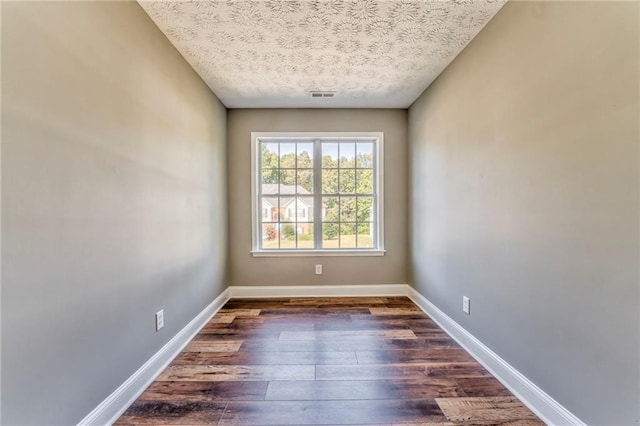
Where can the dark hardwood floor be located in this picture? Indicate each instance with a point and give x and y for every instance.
(327, 361)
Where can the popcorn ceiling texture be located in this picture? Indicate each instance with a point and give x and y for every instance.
(373, 53)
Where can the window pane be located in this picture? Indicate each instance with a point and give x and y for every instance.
(347, 209)
(270, 181)
(330, 209)
(269, 154)
(365, 235)
(305, 235)
(288, 236)
(347, 154)
(364, 181)
(305, 181)
(347, 181)
(269, 209)
(305, 155)
(330, 233)
(287, 209)
(365, 155)
(347, 235)
(365, 209)
(270, 236)
(329, 155)
(287, 181)
(330, 181)
(287, 155)
(305, 209)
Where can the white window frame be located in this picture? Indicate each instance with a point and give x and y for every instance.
(256, 230)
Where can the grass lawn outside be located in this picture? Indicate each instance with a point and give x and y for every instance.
(346, 241)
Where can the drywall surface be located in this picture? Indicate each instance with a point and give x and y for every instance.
(244, 269)
(524, 194)
(113, 202)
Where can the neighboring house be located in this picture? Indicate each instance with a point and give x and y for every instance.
(287, 210)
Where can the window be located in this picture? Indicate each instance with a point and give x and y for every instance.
(336, 174)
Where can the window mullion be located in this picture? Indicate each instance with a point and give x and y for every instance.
(256, 146)
(376, 191)
(317, 194)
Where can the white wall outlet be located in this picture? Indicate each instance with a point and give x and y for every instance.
(465, 305)
(318, 269)
(159, 319)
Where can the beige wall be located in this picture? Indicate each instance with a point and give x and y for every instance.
(247, 270)
(524, 197)
(113, 178)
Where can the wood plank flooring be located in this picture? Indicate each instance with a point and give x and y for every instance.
(329, 361)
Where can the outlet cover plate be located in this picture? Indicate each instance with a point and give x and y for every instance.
(466, 305)
(159, 319)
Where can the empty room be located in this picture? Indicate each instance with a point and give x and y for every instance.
(320, 212)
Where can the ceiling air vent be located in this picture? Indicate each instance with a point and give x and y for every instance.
(322, 94)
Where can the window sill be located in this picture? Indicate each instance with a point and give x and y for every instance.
(316, 253)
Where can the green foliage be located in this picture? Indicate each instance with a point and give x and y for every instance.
(282, 169)
(269, 160)
(347, 182)
(329, 181)
(364, 181)
(304, 160)
(288, 161)
(269, 155)
(364, 229)
(329, 231)
(328, 163)
(347, 228)
(347, 209)
(289, 232)
(288, 177)
(338, 176)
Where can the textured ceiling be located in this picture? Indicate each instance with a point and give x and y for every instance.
(270, 54)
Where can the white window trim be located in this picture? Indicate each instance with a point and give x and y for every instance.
(256, 232)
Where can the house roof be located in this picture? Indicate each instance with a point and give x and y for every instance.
(272, 189)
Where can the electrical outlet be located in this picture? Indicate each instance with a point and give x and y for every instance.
(159, 319)
(318, 269)
(465, 305)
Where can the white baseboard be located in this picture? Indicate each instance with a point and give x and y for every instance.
(549, 410)
(545, 407)
(111, 408)
(319, 291)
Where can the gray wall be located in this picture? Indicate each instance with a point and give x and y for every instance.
(113, 202)
(524, 195)
(247, 270)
